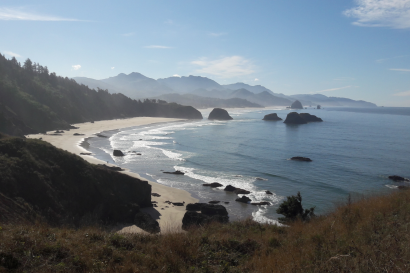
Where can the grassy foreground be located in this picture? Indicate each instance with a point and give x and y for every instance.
(371, 235)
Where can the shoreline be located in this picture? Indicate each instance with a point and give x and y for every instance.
(169, 217)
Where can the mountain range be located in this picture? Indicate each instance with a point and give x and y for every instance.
(203, 92)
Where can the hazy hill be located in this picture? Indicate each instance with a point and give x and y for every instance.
(188, 84)
(41, 182)
(254, 89)
(206, 102)
(315, 99)
(263, 98)
(34, 100)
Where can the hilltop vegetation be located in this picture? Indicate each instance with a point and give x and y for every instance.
(39, 182)
(368, 236)
(34, 100)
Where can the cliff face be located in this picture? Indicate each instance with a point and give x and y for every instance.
(39, 181)
(34, 100)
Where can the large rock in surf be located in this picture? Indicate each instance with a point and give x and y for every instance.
(243, 199)
(118, 153)
(213, 185)
(294, 118)
(219, 114)
(310, 118)
(209, 213)
(301, 158)
(272, 116)
(296, 105)
(398, 178)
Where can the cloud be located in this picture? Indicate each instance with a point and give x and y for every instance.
(112, 67)
(402, 94)
(12, 54)
(396, 57)
(76, 66)
(128, 34)
(9, 14)
(227, 67)
(381, 13)
(157, 46)
(176, 75)
(256, 80)
(333, 89)
(400, 69)
(215, 34)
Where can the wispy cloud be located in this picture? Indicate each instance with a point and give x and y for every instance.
(113, 67)
(402, 94)
(128, 34)
(381, 13)
(217, 34)
(22, 15)
(12, 54)
(332, 89)
(227, 67)
(256, 80)
(386, 59)
(176, 75)
(400, 69)
(76, 66)
(157, 46)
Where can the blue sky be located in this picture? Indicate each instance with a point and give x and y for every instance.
(356, 49)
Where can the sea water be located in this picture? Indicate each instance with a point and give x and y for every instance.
(353, 152)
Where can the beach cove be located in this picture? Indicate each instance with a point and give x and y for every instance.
(169, 217)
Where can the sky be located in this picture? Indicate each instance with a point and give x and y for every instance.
(359, 49)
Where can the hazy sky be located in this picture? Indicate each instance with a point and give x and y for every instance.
(356, 49)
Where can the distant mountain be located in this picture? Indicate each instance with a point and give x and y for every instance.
(188, 84)
(206, 102)
(315, 99)
(137, 86)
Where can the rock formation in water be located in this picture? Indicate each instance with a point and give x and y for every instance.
(272, 116)
(118, 153)
(219, 114)
(296, 105)
(294, 118)
(301, 158)
(310, 118)
(398, 178)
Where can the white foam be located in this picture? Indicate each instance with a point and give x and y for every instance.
(392, 186)
(259, 217)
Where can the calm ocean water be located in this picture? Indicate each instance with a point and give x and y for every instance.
(353, 152)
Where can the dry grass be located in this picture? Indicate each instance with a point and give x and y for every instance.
(370, 235)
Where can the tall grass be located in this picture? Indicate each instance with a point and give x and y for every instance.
(371, 235)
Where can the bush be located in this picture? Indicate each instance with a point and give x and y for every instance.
(292, 209)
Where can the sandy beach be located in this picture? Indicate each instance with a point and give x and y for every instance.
(168, 216)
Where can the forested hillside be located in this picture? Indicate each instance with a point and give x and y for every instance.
(34, 100)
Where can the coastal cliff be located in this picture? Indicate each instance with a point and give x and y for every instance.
(39, 182)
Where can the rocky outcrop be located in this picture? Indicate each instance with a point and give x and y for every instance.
(219, 114)
(243, 199)
(118, 153)
(296, 105)
(310, 118)
(229, 188)
(301, 158)
(271, 117)
(209, 213)
(213, 185)
(294, 118)
(397, 178)
(302, 118)
(268, 192)
(235, 190)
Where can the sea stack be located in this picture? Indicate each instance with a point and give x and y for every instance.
(294, 118)
(219, 114)
(296, 105)
(272, 116)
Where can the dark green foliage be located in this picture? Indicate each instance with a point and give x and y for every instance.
(39, 181)
(33, 100)
(292, 209)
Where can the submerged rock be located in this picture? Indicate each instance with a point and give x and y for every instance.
(219, 114)
(272, 117)
(296, 105)
(398, 178)
(301, 158)
(243, 199)
(176, 172)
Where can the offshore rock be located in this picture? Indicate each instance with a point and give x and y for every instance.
(294, 118)
(118, 153)
(212, 185)
(296, 105)
(272, 117)
(310, 118)
(176, 172)
(219, 114)
(398, 178)
(301, 158)
(229, 188)
(243, 199)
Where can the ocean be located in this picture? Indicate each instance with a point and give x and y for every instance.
(353, 152)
